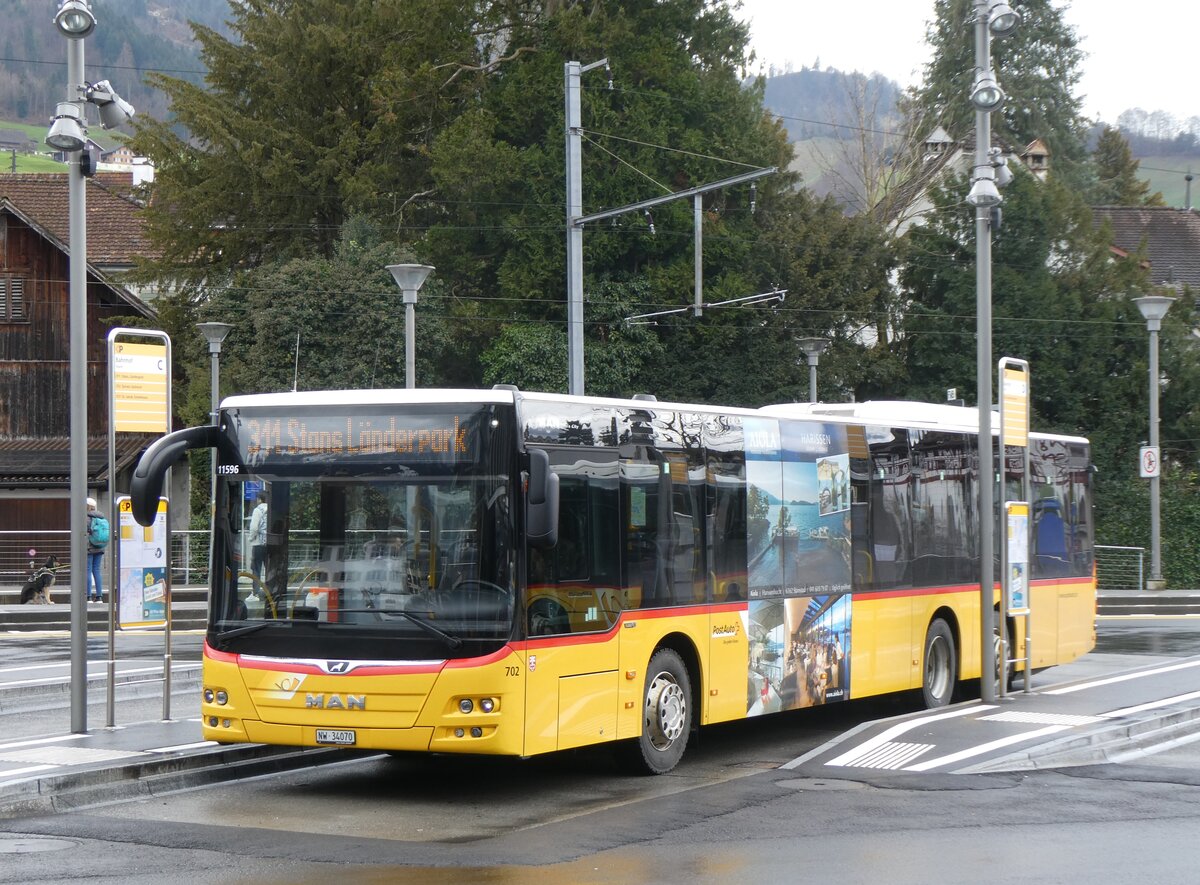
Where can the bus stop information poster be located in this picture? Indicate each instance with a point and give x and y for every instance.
(142, 601)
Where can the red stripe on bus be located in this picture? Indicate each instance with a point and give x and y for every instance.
(863, 595)
(638, 614)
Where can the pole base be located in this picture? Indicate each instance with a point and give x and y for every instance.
(1156, 583)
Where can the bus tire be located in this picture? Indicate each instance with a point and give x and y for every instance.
(667, 714)
(940, 665)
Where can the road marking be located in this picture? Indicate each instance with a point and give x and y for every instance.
(886, 736)
(892, 755)
(1041, 718)
(1124, 678)
(28, 770)
(1152, 705)
(68, 755)
(45, 740)
(980, 749)
(179, 747)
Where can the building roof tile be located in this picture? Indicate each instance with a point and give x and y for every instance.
(1171, 236)
(115, 233)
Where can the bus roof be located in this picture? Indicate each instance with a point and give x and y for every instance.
(900, 413)
(381, 397)
(880, 412)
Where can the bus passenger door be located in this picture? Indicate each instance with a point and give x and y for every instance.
(573, 603)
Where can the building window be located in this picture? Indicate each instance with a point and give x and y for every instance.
(12, 300)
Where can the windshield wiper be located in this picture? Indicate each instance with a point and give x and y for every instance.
(452, 641)
(246, 628)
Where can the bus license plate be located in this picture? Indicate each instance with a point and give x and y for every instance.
(342, 737)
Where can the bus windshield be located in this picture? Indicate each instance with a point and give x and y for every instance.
(387, 554)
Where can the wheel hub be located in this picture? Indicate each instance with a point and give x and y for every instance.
(666, 709)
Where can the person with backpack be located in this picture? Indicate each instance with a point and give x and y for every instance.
(98, 532)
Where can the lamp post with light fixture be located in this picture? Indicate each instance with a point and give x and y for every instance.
(813, 348)
(410, 278)
(1154, 308)
(992, 17)
(68, 133)
(214, 334)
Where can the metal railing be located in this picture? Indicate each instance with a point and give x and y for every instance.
(1120, 568)
(21, 552)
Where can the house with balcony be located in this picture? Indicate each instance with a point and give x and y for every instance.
(35, 342)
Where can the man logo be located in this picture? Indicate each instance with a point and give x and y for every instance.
(337, 666)
(335, 701)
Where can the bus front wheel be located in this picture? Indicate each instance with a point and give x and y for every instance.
(941, 666)
(667, 714)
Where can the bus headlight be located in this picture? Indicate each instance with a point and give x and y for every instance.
(222, 697)
(487, 705)
(466, 705)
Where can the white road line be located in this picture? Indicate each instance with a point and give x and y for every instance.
(196, 746)
(986, 748)
(28, 770)
(1124, 678)
(884, 737)
(1152, 705)
(45, 740)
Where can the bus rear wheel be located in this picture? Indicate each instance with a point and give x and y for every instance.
(941, 665)
(667, 714)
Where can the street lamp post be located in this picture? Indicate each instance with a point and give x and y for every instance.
(991, 17)
(214, 334)
(410, 278)
(813, 348)
(1154, 308)
(68, 133)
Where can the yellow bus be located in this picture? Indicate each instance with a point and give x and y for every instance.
(507, 572)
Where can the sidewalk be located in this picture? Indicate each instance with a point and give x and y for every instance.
(58, 773)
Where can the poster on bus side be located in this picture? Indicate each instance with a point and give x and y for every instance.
(798, 582)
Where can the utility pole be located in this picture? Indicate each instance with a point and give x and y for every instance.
(573, 73)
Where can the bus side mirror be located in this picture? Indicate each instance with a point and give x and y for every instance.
(145, 487)
(541, 501)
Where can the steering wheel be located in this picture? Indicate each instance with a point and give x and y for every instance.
(473, 594)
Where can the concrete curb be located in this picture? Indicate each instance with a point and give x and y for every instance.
(1105, 743)
(72, 790)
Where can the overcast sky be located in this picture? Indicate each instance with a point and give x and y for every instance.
(1133, 60)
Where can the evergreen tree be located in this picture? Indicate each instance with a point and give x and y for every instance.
(1037, 67)
(1117, 181)
(312, 112)
(1058, 300)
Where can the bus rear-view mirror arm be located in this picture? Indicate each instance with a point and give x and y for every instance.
(146, 486)
(541, 501)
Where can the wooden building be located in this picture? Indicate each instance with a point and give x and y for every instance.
(35, 340)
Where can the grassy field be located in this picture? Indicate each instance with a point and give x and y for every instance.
(41, 162)
(1166, 174)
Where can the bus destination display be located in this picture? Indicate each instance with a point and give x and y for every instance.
(423, 437)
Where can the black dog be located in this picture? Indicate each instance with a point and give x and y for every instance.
(37, 588)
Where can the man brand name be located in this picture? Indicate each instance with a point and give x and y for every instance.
(336, 701)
